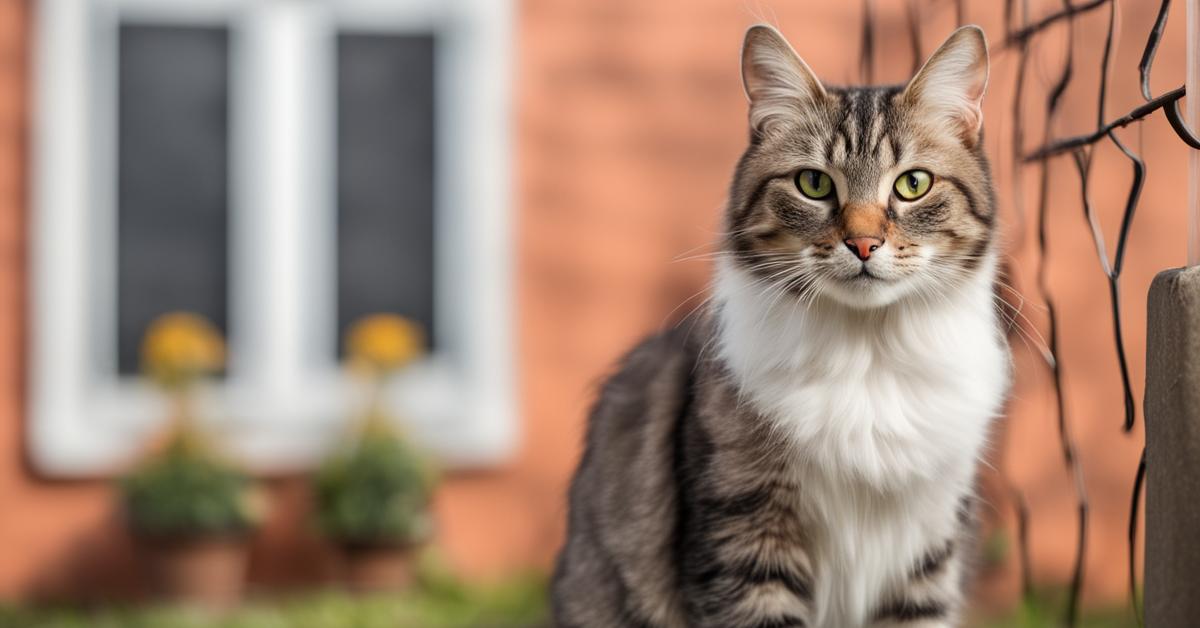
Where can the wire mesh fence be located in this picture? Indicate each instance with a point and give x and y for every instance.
(1021, 32)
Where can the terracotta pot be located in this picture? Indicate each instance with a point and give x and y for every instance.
(371, 567)
(206, 571)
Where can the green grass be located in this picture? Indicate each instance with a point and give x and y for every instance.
(437, 603)
(1046, 611)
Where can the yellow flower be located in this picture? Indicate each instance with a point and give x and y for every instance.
(179, 347)
(384, 341)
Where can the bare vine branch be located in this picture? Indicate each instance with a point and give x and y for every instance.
(1021, 34)
(1070, 143)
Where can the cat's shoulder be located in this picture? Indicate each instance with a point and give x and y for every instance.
(651, 383)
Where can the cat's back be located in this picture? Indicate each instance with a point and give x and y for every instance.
(617, 564)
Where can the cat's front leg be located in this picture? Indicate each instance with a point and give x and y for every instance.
(930, 597)
(913, 614)
(748, 591)
(749, 605)
(918, 623)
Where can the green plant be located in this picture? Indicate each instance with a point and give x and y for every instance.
(186, 490)
(374, 491)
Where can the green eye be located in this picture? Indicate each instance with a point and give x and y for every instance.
(913, 184)
(814, 184)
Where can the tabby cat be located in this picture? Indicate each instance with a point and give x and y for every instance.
(804, 452)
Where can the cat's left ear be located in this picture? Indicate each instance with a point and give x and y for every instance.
(950, 86)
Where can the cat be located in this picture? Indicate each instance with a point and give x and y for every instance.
(804, 452)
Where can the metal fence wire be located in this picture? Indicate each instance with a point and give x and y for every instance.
(1019, 34)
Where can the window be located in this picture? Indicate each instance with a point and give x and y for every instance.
(385, 153)
(172, 190)
(282, 168)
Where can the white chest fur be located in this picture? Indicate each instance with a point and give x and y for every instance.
(888, 411)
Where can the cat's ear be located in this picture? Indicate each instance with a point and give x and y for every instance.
(778, 82)
(950, 86)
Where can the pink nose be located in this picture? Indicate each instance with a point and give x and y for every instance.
(863, 247)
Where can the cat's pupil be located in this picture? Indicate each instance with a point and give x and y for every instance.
(912, 182)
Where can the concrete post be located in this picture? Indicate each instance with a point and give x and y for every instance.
(1173, 450)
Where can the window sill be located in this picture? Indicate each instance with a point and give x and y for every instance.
(101, 431)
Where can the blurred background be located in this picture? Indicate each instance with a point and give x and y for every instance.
(515, 187)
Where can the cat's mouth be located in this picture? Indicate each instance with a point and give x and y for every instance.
(865, 274)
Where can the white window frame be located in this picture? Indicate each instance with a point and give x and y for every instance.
(285, 400)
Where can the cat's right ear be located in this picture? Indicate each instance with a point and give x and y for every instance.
(949, 88)
(778, 83)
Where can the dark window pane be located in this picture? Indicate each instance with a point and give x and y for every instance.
(385, 104)
(172, 178)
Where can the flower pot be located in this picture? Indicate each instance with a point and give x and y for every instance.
(205, 571)
(373, 567)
